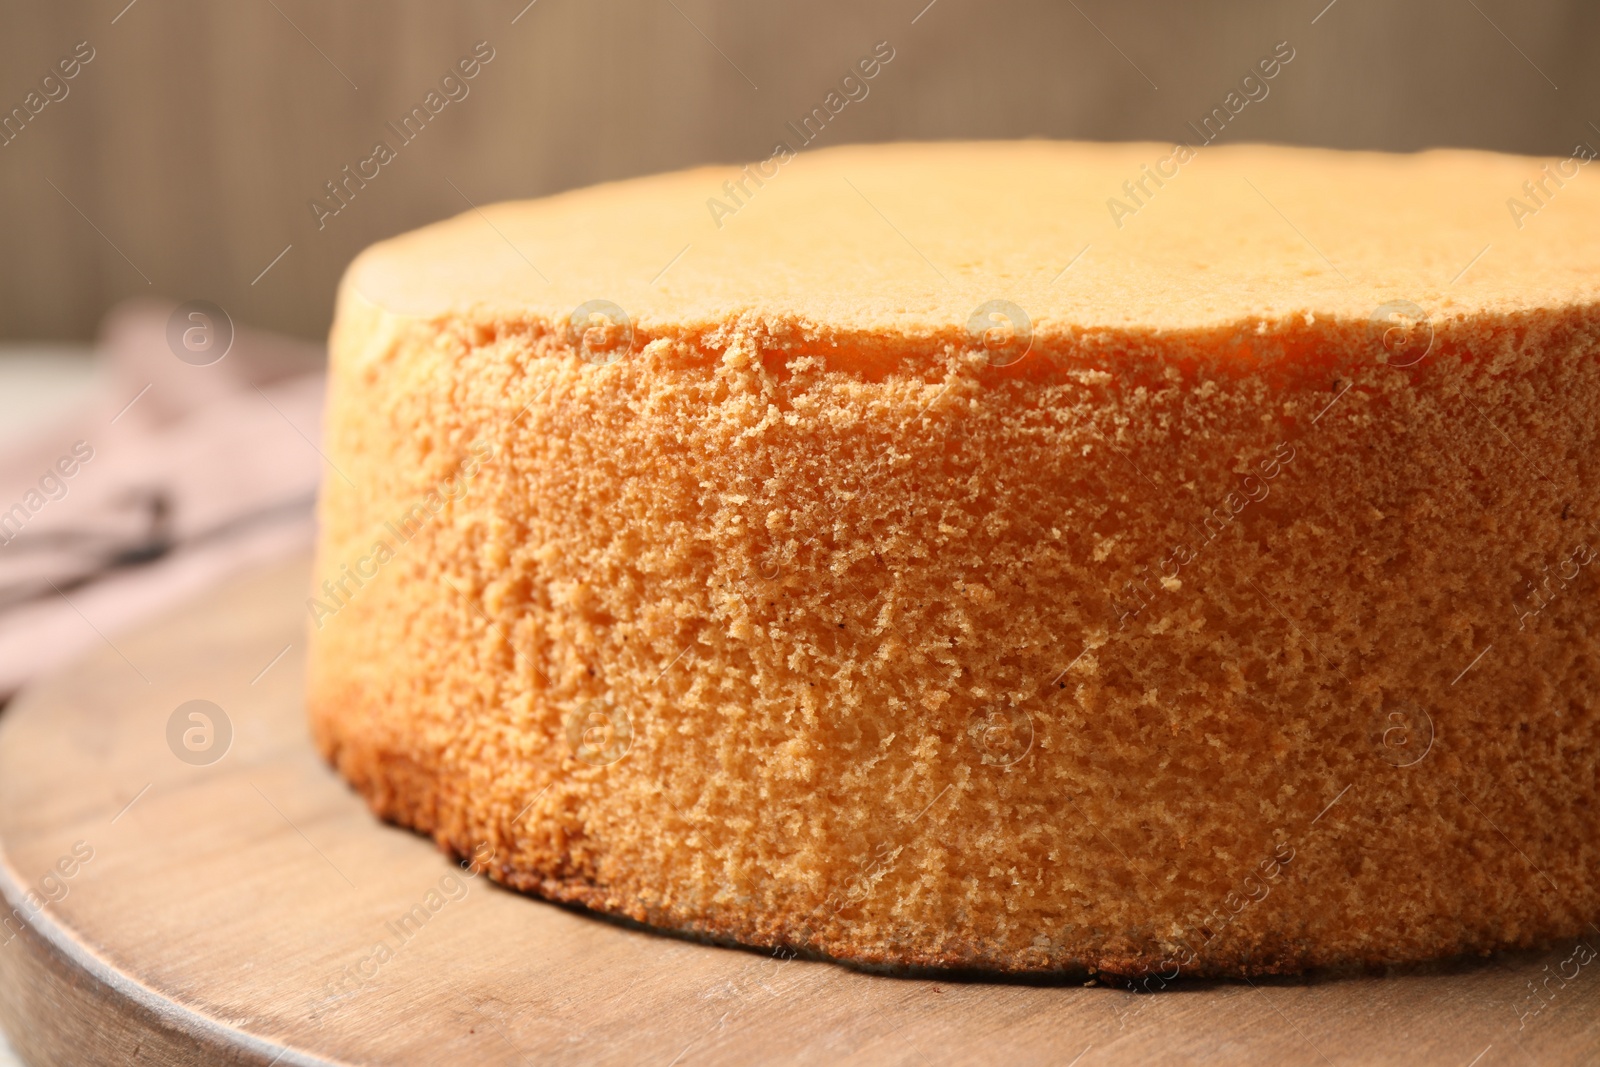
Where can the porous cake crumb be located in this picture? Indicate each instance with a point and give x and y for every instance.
(922, 568)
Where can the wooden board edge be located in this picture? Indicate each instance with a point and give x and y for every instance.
(63, 1006)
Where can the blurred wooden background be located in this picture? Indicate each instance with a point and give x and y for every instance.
(182, 160)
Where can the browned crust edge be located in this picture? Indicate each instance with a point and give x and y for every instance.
(388, 796)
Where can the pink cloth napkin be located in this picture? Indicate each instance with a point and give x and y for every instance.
(172, 477)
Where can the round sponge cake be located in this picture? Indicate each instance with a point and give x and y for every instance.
(1012, 556)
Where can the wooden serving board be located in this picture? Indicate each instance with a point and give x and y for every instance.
(227, 908)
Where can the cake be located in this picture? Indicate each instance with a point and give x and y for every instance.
(1019, 557)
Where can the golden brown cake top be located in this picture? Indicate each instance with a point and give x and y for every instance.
(905, 240)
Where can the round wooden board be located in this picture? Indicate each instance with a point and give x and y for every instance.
(230, 914)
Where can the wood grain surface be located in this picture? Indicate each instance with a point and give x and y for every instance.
(229, 912)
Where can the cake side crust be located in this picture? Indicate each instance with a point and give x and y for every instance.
(1087, 662)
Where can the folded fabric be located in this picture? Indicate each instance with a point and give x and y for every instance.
(169, 478)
